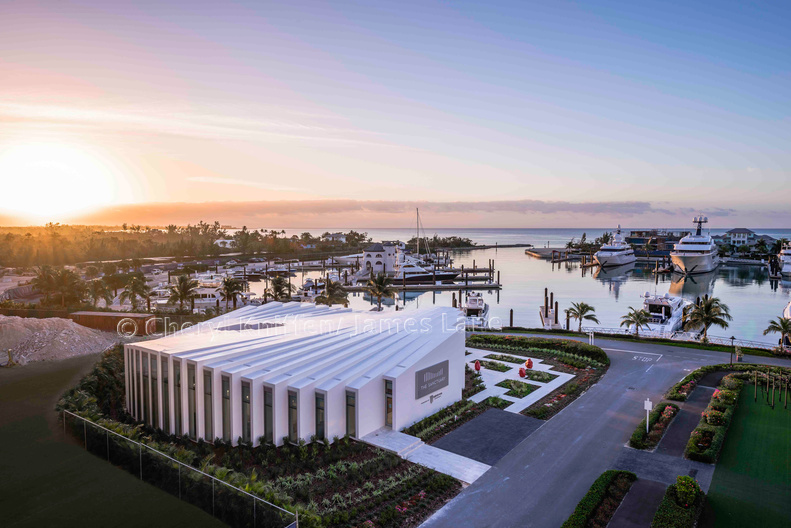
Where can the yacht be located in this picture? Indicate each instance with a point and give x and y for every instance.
(667, 312)
(696, 253)
(411, 273)
(787, 311)
(476, 311)
(616, 253)
(784, 260)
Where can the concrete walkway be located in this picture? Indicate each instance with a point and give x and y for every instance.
(413, 449)
(639, 506)
(492, 377)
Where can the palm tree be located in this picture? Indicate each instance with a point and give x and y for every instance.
(97, 289)
(334, 293)
(230, 289)
(44, 281)
(137, 288)
(709, 311)
(781, 326)
(761, 246)
(281, 289)
(582, 312)
(183, 291)
(68, 285)
(91, 272)
(380, 287)
(638, 318)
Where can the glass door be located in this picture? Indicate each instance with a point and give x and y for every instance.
(388, 403)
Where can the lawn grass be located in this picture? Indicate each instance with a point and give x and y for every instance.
(752, 482)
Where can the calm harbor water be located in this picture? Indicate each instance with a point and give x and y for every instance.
(753, 299)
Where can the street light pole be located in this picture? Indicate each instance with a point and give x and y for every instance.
(732, 348)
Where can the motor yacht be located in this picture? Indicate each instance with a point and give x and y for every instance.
(667, 312)
(476, 311)
(411, 273)
(784, 260)
(696, 253)
(616, 253)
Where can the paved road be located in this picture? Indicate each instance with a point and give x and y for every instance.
(540, 481)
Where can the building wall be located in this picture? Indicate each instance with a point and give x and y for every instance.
(406, 408)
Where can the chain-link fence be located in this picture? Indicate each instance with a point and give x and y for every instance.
(227, 503)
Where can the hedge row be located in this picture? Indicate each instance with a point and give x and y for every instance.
(563, 345)
(676, 394)
(639, 439)
(671, 515)
(725, 412)
(586, 507)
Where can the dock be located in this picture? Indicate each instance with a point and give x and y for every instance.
(433, 287)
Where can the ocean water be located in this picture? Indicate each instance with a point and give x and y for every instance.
(752, 298)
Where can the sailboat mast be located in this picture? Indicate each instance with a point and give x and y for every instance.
(417, 232)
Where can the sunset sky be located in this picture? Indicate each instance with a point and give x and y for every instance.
(484, 114)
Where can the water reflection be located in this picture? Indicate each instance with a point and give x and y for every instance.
(614, 277)
(692, 286)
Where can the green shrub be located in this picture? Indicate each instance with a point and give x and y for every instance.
(687, 491)
(671, 515)
(596, 494)
(562, 345)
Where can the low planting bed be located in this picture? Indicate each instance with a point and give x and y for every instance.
(682, 505)
(681, 390)
(506, 358)
(658, 421)
(493, 365)
(516, 388)
(562, 349)
(560, 398)
(598, 505)
(343, 484)
(707, 438)
(539, 375)
(473, 382)
(434, 427)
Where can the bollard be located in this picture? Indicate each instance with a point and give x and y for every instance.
(512, 321)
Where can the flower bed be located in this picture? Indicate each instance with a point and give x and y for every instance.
(473, 382)
(562, 346)
(493, 365)
(706, 440)
(681, 390)
(598, 505)
(516, 388)
(681, 506)
(658, 421)
(506, 358)
(540, 375)
(557, 400)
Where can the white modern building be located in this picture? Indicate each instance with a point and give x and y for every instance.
(380, 258)
(290, 371)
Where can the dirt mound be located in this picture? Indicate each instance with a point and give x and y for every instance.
(51, 339)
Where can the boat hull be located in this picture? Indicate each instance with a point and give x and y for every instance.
(426, 279)
(611, 261)
(694, 264)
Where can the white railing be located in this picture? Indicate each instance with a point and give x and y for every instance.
(680, 336)
(289, 519)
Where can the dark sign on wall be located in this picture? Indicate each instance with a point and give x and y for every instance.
(431, 379)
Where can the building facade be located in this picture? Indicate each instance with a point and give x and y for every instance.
(286, 372)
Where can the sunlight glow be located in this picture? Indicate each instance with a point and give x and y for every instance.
(46, 181)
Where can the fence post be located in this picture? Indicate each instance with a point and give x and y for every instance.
(85, 432)
(179, 480)
(253, 512)
(107, 434)
(64, 422)
(140, 447)
(212, 497)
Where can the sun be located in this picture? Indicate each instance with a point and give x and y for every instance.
(51, 181)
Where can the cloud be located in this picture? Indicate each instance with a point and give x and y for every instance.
(240, 182)
(195, 124)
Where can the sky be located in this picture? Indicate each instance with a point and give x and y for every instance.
(483, 114)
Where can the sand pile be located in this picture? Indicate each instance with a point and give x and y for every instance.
(51, 339)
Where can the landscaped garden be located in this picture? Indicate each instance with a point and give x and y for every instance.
(588, 363)
(598, 505)
(506, 358)
(681, 506)
(516, 388)
(343, 484)
(493, 365)
(434, 427)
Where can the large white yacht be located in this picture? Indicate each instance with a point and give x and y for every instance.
(616, 253)
(667, 313)
(696, 253)
(411, 273)
(784, 259)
